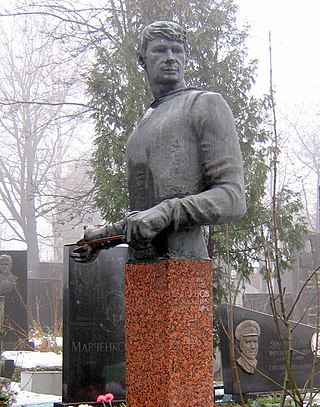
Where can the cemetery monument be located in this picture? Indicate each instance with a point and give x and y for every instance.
(184, 173)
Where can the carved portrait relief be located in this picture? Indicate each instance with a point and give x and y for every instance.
(7, 279)
(247, 333)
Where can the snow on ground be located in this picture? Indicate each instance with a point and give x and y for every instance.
(31, 360)
(24, 397)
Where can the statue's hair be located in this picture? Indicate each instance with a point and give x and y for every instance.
(162, 29)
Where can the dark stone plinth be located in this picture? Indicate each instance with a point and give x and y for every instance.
(270, 357)
(7, 368)
(45, 291)
(15, 295)
(169, 348)
(307, 307)
(261, 302)
(93, 327)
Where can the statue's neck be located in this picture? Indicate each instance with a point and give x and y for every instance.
(162, 89)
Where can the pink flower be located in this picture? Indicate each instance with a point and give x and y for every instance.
(109, 397)
(105, 398)
(101, 398)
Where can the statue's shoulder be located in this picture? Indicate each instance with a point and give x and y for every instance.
(197, 93)
(202, 91)
(206, 100)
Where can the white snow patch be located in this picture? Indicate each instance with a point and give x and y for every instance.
(31, 359)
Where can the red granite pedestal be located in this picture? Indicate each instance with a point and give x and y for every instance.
(169, 348)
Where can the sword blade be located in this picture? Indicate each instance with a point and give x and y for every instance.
(106, 239)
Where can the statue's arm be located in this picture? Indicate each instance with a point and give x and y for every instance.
(223, 200)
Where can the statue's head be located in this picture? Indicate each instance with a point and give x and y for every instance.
(5, 263)
(160, 29)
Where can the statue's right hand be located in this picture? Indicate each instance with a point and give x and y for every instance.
(85, 253)
(89, 252)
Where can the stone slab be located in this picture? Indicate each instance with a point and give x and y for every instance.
(93, 327)
(43, 382)
(1, 321)
(308, 260)
(169, 347)
(45, 302)
(45, 292)
(270, 357)
(16, 302)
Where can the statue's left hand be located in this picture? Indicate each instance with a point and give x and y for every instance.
(143, 226)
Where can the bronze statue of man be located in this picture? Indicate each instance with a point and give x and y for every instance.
(184, 162)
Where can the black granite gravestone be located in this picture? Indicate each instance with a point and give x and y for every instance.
(1, 321)
(93, 327)
(45, 290)
(270, 357)
(261, 302)
(13, 286)
(308, 261)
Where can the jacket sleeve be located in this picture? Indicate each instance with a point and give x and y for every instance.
(223, 197)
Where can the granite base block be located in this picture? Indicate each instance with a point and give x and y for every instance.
(169, 347)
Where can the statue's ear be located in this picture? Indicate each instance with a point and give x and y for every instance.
(141, 60)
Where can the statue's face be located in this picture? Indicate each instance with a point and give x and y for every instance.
(4, 266)
(165, 61)
(249, 346)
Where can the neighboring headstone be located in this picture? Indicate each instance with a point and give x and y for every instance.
(169, 346)
(13, 286)
(261, 302)
(308, 261)
(93, 327)
(258, 345)
(7, 368)
(1, 321)
(45, 289)
(300, 278)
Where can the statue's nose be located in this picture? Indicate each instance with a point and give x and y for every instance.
(169, 55)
